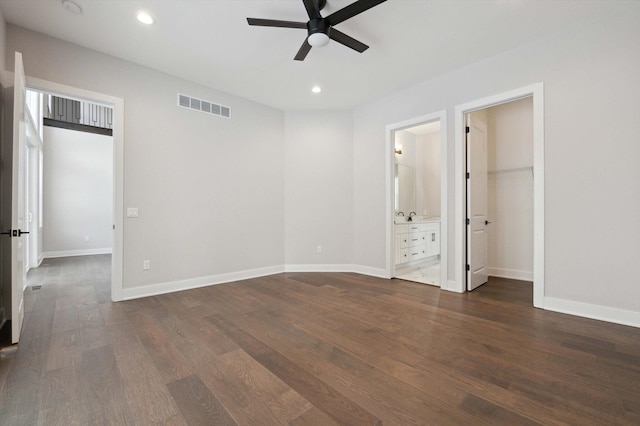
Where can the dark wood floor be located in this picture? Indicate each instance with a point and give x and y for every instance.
(311, 349)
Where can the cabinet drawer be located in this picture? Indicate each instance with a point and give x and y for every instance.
(417, 252)
(417, 238)
(414, 228)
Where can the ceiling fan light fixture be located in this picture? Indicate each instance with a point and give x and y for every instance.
(318, 39)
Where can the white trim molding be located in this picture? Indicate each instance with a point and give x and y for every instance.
(535, 91)
(117, 259)
(191, 283)
(596, 312)
(71, 253)
(512, 274)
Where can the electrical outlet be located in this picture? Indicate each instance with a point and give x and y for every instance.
(319, 249)
(132, 212)
(146, 264)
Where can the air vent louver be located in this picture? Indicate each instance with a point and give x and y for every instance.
(207, 107)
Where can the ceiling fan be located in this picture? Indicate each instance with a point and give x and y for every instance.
(320, 29)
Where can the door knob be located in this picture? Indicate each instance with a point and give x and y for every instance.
(486, 222)
(20, 232)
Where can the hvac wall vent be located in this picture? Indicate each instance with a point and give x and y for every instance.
(201, 105)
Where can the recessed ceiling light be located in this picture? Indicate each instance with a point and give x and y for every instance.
(145, 18)
(316, 89)
(72, 7)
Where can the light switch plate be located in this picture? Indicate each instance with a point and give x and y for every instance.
(132, 212)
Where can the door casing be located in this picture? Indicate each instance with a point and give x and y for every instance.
(390, 190)
(536, 92)
(118, 167)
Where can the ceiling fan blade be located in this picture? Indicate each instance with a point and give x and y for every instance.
(275, 23)
(304, 50)
(351, 42)
(312, 8)
(352, 10)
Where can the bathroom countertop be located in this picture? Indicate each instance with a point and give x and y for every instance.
(403, 220)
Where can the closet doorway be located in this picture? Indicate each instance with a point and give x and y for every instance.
(496, 182)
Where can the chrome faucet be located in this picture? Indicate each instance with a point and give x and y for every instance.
(400, 213)
(412, 214)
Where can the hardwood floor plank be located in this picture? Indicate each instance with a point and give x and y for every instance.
(285, 403)
(102, 388)
(313, 417)
(241, 401)
(311, 348)
(145, 392)
(167, 358)
(310, 387)
(484, 409)
(197, 404)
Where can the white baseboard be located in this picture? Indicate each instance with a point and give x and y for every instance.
(70, 253)
(172, 286)
(188, 284)
(368, 270)
(512, 274)
(357, 269)
(598, 312)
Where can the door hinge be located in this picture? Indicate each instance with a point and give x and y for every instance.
(468, 268)
(468, 175)
(468, 221)
(467, 129)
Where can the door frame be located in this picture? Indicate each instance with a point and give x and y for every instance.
(536, 92)
(390, 129)
(117, 104)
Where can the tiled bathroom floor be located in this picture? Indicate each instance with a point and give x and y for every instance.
(429, 274)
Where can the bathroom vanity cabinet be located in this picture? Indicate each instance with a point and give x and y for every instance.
(415, 241)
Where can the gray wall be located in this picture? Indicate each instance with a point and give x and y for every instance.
(77, 193)
(592, 148)
(318, 187)
(209, 190)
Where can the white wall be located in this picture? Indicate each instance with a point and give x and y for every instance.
(77, 193)
(428, 153)
(591, 85)
(318, 188)
(209, 190)
(510, 190)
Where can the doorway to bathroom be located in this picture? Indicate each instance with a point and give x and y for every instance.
(417, 203)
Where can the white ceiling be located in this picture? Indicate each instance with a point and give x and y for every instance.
(209, 41)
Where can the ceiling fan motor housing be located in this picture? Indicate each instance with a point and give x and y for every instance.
(318, 25)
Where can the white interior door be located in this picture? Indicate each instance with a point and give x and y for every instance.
(18, 202)
(476, 204)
